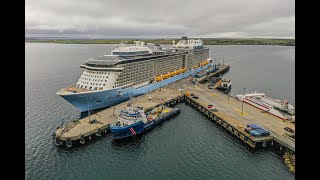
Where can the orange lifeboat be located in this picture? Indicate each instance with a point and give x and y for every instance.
(165, 76)
(183, 70)
(178, 71)
(158, 78)
(195, 66)
(171, 74)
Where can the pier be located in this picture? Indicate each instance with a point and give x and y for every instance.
(228, 115)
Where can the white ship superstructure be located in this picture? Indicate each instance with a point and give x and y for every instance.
(261, 101)
(134, 70)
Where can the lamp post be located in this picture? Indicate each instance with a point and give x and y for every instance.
(244, 90)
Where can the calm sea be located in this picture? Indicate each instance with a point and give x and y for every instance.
(186, 147)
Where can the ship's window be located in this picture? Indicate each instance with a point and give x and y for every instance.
(85, 87)
(95, 88)
(104, 84)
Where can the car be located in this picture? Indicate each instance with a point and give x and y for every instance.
(212, 108)
(289, 129)
(195, 97)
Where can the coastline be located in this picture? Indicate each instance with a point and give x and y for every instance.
(207, 41)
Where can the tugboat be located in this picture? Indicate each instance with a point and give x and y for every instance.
(225, 85)
(133, 120)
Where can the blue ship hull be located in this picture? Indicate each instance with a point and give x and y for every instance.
(139, 127)
(102, 99)
(123, 132)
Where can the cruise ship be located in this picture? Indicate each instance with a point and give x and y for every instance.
(130, 71)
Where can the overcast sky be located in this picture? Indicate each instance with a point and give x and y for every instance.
(160, 18)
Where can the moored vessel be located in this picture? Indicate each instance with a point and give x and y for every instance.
(270, 105)
(225, 85)
(133, 120)
(131, 71)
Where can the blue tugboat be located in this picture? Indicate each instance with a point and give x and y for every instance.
(133, 120)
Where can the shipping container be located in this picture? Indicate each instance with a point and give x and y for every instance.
(253, 126)
(255, 133)
(248, 129)
(263, 131)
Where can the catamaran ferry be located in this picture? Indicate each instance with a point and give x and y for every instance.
(131, 71)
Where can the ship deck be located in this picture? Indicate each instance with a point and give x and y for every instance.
(72, 89)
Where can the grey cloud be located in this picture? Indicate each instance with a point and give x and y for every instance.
(149, 18)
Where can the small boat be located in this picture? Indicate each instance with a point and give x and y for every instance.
(133, 120)
(225, 85)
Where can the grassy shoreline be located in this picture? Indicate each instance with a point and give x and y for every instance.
(207, 41)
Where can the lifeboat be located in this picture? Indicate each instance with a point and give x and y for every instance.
(183, 70)
(201, 63)
(178, 71)
(165, 76)
(205, 62)
(158, 78)
(171, 74)
(195, 66)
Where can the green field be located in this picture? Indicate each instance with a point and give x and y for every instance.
(207, 41)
